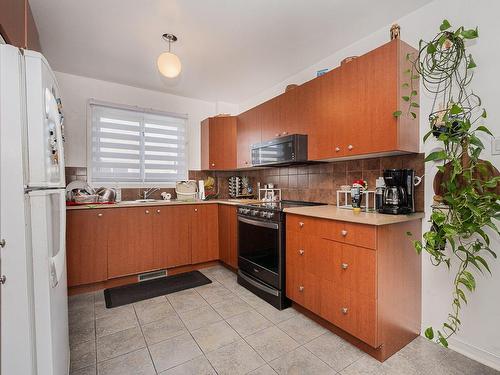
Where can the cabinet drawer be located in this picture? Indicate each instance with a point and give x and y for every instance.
(306, 225)
(352, 233)
(353, 312)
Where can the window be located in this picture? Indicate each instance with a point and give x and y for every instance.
(136, 147)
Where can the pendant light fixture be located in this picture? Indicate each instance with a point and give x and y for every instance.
(168, 63)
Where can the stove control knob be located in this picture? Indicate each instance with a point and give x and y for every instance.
(270, 215)
(263, 214)
(254, 212)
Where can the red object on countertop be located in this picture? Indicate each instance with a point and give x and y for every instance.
(69, 203)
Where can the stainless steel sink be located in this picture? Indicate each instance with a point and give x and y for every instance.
(142, 201)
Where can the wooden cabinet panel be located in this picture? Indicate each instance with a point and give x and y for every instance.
(288, 112)
(171, 238)
(17, 25)
(130, 241)
(228, 235)
(218, 143)
(358, 269)
(323, 258)
(86, 244)
(268, 116)
(248, 132)
(204, 233)
(32, 37)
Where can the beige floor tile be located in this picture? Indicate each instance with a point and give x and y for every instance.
(231, 306)
(274, 315)
(301, 361)
(160, 330)
(271, 343)
(152, 309)
(235, 359)
(264, 370)
(174, 351)
(134, 363)
(198, 318)
(214, 292)
(186, 300)
(334, 351)
(83, 354)
(81, 331)
(118, 319)
(366, 365)
(119, 343)
(90, 370)
(249, 322)
(80, 301)
(196, 366)
(302, 329)
(215, 336)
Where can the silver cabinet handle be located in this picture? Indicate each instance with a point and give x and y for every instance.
(284, 133)
(337, 149)
(146, 212)
(345, 310)
(301, 224)
(343, 232)
(301, 252)
(350, 147)
(301, 288)
(99, 215)
(195, 210)
(277, 135)
(157, 211)
(2, 243)
(3, 279)
(213, 164)
(344, 266)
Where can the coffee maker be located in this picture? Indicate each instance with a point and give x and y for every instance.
(399, 193)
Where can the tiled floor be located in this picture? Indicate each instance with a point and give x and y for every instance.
(221, 328)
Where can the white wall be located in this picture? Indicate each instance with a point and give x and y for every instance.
(480, 334)
(77, 90)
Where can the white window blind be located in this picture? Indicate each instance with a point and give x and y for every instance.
(137, 146)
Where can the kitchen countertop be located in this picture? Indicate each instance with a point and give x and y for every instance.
(334, 213)
(125, 204)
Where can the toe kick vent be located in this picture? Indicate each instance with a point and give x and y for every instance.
(152, 275)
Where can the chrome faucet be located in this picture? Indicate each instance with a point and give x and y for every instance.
(147, 193)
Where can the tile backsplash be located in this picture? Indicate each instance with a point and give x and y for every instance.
(312, 182)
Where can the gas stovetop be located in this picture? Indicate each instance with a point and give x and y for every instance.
(271, 210)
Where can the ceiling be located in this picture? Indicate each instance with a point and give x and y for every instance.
(231, 50)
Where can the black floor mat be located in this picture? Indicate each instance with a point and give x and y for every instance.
(125, 294)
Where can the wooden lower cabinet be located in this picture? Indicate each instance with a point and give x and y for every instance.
(371, 291)
(228, 235)
(87, 246)
(204, 233)
(130, 241)
(171, 240)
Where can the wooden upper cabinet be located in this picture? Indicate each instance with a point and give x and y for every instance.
(86, 244)
(17, 25)
(204, 233)
(268, 117)
(248, 132)
(218, 143)
(130, 241)
(228, 236)
(171, 240)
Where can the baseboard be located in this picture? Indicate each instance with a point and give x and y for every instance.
(475, 353)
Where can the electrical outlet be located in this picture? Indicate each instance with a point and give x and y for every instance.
(495, 146)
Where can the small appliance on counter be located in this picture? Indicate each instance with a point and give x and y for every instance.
(399, 193)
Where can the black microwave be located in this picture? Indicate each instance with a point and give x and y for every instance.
(280, 151)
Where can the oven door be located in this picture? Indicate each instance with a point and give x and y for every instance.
(259, 249)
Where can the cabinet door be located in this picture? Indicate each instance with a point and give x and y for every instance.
(12, 21)
(130, 241)
(357, 269)
(171, 238)
(268, 117)
(222, 143)
(248, 132)
(205, 144)
(228, 237)
(289, 113)
(86, 243)
(204, 233)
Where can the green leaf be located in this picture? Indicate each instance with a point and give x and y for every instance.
(442, 340)
(409, 234)
(415, 105)
(476, 141)
(413, 114)
(405, 85)
(445, 25)
(470, 34)
(484, 129)
(406, 98)
(461, 294)
(427, 135)
(431, 48)
(483, 115)
(397, 113)
(481, 260)
(471, 64)
(413, 93)
(418, 246)
(429, 333)
(455, 109)
(436, 155)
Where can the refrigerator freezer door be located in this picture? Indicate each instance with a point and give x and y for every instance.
(48, 232)
(44, 125)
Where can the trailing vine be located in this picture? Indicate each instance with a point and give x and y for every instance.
(468, 199)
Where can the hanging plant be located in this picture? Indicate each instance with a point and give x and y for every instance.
(466, 187)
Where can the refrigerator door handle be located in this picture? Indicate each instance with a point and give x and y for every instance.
(57, 262)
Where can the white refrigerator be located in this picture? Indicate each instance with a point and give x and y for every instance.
(34, 309)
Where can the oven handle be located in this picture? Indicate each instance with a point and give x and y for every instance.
(258, 223)
(264, 288)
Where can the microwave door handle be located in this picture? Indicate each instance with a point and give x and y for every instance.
(258, 223)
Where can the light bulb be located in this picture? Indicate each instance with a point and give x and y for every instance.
(169, 65)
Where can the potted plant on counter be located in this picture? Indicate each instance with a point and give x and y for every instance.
(467, 188)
